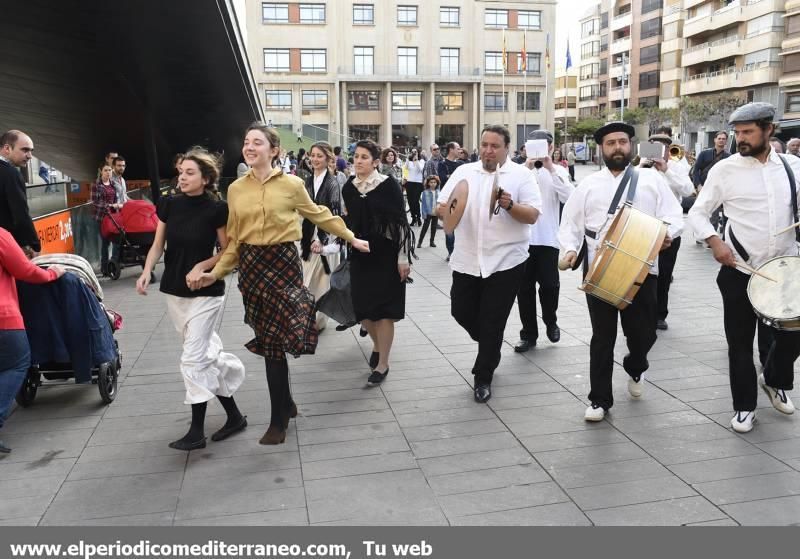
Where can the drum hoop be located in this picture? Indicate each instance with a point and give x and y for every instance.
(774, 322)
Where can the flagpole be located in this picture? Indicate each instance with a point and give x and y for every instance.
(525, 83)
(503, 94)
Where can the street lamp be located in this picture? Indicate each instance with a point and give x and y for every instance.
(624, 60)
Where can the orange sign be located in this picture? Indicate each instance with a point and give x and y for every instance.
(55, 233)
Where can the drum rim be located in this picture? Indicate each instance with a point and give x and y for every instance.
(775, 322)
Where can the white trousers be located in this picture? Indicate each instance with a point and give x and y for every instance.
(318, 282)
(207, 370)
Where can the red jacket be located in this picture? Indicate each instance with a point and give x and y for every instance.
(14, 264)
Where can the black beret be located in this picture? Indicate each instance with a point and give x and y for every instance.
(541, 134)
(610, 127)
(753, 112)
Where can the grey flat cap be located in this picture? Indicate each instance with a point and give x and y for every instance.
(753, 112)
(541, 134)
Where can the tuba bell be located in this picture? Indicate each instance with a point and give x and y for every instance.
(676, 152)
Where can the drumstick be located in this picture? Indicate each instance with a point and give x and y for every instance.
(754, 271)
(785, 229)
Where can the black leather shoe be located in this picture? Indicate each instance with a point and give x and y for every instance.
(188, 445)
(3, 448)
(226, 432)
(482, 393)
(376, 378)
(553, 333)
(363, 333)
(524, 345)
(374, 359)
(662, 325)
(433, 245)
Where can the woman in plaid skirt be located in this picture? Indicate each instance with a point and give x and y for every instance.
(263, 227)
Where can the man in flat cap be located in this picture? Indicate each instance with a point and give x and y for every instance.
(542, 264)
(677, 174)
(758, 188)
(585, 221)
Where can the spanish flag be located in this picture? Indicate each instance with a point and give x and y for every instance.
(523, 67)
(505, 54)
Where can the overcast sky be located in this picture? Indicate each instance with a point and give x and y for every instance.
(567, 14)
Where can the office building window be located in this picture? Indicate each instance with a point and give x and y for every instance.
(313, 60)
(650, 28)
(495, 101)
(604, 20)
(793, 103)
(592, 48)
(648, 80)
(529, 19)
(407, 61)
(363, 14)
(312, 13)
(591, 27)
(493, 62)
(534, 63)
(363, 58)
(588, 92)
(273, 12)
(449, 17)
(528, 101)
(603, 67)
(364, 132)
(497, 19)
(651, 101)
(650, 5)
(315, 99)
(407, 15)
(648, 55)
(407, 100)
(602, 91)
(449, 61)
(590, 71)
(449, 101)
(276, 60)
(364, 100)
(280, 99)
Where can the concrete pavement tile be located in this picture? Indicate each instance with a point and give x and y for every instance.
(752, 488)
(242, 482)
(674, 512)
(48, 466)
(610, 472)
(630, 492)
(152, 519)
(462, 400)
(308, 398)
(534, 426)
(646, 406)
(348, 406)
(531, 400)
(657, 421)
(559, 514)
(209, 467)
(586, 455)
(463, 445)
(504, 498)
(307, 423)
(470, 462)
(725, 522)
(689, 433)
(680, 453)
(728, 468)
(45, 446)
(24, 507)
(783, 511)
(33, 427)
(476, 411)
(201, 505)
(481, 480)
(285, 517)
(127, 467)
(348, 433)
(424, 393)
(99, 506)
(348, 449)
(573, 439)
(448, 430)
(25, 521)
(32, 486)
(782, 450)
(359, 465)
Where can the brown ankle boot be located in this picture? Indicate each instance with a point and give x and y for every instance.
(274, 435)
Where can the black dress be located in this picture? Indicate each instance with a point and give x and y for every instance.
(378, 217)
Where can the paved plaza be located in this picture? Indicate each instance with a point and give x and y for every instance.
(417, 450)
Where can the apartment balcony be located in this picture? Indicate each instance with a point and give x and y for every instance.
(733, 46)
(620, 45)
(587, 103)
(744, 10)
(673, 45)
(692, 3)
(733, 78)
(672, 14)
(675, 74)
(790, 79)
(616, 70)
(615, 94)
(621, 22)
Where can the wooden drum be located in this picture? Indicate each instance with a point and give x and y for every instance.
(625, 256)
(777, 303)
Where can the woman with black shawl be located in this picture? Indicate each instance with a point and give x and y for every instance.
(376, 213)
(318, 249)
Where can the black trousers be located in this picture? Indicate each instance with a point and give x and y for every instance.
(413, 192)
(666, 264)
(639, 327)
(430, 221)
(780, 348)
(542, 268)
(571, 169)
(481, 306)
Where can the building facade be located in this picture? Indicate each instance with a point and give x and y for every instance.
(790, 80)
(403, 72)
(566, 98)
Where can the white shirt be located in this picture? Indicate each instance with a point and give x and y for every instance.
(121, 187)
(757, 203)
(587, 208)
(485, 246)
(415, 169)
(555, 190)
(677, 176)
(318, 183)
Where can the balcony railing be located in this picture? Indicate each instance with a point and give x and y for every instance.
(394, 70)
(716, 43)
(734, 70)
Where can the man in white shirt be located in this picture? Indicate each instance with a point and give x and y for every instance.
(118, 180)
(586, 219)
(677, 174)
(491, 246)
(542, 264)
(756, 187)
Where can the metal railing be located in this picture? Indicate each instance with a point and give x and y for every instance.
(737, 70)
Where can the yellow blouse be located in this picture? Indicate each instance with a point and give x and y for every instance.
(265, 213)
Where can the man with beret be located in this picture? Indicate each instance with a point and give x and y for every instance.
(758, 188)
(584, 223)
(677, 174)
(542, 264)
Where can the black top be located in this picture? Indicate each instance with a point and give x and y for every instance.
(192, 223)
(14, 214)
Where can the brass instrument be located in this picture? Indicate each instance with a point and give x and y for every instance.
(676, 152)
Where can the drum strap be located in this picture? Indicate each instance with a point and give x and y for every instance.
(793, 187)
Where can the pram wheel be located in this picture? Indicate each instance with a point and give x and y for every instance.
(107, 381)
(27, 392)
(113, 270)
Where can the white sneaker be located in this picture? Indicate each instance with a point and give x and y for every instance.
(780, 401)
(594, 413)
(742, 421)
(635, 387)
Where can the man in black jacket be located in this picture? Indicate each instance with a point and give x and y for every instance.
(16, 149)
(705, 160)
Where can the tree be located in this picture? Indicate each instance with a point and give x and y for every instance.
(710, 110)
(585, 127)
(656, 116)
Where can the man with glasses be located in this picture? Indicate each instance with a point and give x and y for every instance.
(432, 164)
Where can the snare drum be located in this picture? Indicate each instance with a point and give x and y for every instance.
(625, 256)
(777, 303)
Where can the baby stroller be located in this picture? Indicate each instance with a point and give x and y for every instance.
(71, 332)
(133, 230)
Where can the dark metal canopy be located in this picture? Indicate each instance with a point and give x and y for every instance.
(145, 78)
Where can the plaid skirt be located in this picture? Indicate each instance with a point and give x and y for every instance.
(276, 305)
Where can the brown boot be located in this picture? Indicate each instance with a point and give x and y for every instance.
(274, 435)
